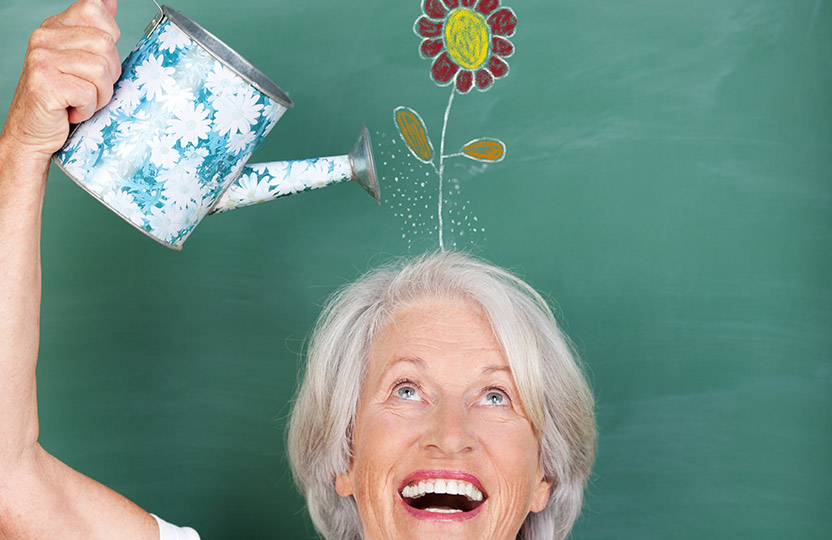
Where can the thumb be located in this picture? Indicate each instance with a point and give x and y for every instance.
(112, 6)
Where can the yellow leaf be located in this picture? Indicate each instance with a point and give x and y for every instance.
(492, 150)
(413, 133)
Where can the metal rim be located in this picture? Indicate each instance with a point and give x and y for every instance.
(228, 56)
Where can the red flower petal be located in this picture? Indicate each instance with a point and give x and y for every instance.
(452, 4)
(464, 81)
(501, 46)
(443, 69)
(497, 67)
(468, 3)
(431, 47)
(487, 6)
(434, 9)
(484, 79)
(427, 28)
(503, 22)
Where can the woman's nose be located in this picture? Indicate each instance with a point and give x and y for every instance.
(449, 431)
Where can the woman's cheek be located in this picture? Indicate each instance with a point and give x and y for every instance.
(390, 427)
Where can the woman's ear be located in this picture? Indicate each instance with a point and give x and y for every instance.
(540, 496)
(343, 484)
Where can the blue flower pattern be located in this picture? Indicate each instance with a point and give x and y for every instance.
(176, 134)
(267, 181)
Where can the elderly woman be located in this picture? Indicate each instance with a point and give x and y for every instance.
(440, 399)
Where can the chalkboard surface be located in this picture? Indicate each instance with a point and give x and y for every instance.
(667, 182)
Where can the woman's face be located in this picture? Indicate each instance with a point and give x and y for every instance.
(439, 416)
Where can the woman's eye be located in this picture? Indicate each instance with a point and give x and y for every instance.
(495, 397)
(407, 392)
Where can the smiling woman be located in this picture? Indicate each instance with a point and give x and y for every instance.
(440, 400)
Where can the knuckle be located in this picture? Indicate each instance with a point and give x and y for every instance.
(38, 38)
(35, 80)
(95, 13)
(88, 94)
(50, 22)
(37, 58)
(102, 69)
(104, 42)
(90, 9)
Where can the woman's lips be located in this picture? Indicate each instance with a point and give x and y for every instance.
(442, 495)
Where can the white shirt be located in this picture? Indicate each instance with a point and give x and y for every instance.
(172, 532)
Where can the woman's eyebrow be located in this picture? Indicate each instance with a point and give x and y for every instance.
(412, 360)
(488, 370)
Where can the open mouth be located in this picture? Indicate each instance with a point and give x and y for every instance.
(443, 496)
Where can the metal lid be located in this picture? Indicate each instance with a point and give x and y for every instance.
(227, 56)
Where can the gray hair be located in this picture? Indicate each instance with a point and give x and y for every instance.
(547, 373)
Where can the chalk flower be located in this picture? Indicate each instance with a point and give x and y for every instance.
(468, 40)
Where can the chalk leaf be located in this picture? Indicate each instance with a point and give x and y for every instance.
(414, 134)
(488, 150)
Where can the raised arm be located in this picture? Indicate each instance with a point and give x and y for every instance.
(69, 71)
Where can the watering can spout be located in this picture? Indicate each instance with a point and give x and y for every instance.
(267, 181)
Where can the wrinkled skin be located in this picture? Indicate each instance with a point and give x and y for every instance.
(438, 396)
(68, 73)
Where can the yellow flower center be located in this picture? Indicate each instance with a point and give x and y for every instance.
(466, 38)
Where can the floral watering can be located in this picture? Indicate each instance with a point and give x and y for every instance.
(186, 115)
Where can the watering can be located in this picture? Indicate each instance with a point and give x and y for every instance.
(172, 145)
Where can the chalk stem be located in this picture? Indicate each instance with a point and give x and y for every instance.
(442, 163)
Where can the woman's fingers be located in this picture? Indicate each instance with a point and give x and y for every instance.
(57, 88)
(81, 68)
(80, 38)
(70, 68)
(112, 6)
(91, 13)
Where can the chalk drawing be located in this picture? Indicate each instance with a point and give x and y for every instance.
(467, 41)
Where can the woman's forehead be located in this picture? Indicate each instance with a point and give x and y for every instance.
(427, 334)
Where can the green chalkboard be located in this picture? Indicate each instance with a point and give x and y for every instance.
(667, 182)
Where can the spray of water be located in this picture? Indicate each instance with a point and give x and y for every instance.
(411, 191)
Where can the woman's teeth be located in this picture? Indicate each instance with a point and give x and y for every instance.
(442, 486)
